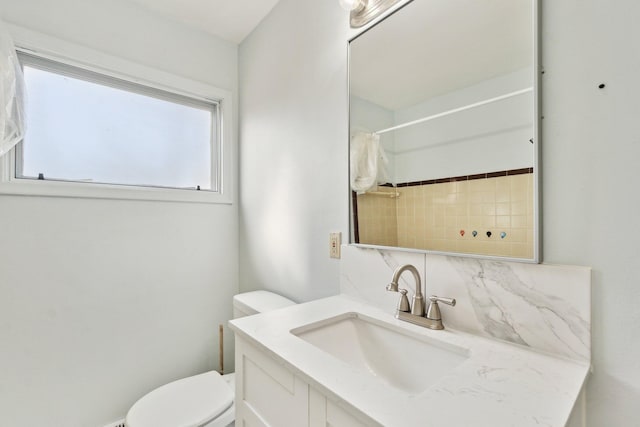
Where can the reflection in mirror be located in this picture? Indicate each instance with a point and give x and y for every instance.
(443, 129)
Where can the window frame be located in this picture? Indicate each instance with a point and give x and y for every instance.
(106, 68)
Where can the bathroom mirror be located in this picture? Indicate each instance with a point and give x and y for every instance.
(444, 139)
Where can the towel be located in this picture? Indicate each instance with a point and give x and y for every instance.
(11, 94)
(368, 162)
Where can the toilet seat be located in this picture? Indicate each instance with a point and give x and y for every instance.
(190, 402)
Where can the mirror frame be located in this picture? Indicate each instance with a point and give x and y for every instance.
(537, 125)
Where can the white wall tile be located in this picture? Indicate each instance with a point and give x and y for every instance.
(546, 307)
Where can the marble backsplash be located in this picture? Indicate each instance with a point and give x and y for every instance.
(545, 307)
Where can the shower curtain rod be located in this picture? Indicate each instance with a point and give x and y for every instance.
(456, 110)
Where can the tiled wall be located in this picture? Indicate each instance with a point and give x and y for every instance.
(545, 307)
(442, 216)
(377, 218)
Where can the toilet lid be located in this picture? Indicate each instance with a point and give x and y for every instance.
(189, 402)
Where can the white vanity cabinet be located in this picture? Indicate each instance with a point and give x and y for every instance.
(270, 395)
(283, 379)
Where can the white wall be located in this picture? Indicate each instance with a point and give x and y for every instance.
(491, 138)
(591, 157)
(127, 30)
(295, 97)
(103, 300)
(293, 132)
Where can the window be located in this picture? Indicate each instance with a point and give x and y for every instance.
(93, 130)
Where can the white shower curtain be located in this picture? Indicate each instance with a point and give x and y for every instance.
(12, 94)
(368, 162)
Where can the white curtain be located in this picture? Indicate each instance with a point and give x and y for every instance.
(12, 94)
(368, 162)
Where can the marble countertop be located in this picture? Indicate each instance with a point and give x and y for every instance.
(500, 384)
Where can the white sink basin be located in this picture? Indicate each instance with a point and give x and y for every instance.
(408, 362)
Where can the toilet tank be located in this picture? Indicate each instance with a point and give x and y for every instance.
(249, 303)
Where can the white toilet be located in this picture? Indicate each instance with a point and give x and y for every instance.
(204, 400)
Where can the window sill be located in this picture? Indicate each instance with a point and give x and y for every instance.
(28, 187)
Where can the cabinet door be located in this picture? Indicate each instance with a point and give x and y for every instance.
(267, 394)
(325, 413)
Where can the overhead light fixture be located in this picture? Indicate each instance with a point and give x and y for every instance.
(364, 11)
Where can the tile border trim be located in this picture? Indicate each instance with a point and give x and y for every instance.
(510, 172)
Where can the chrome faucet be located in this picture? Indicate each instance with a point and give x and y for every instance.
(414, 312)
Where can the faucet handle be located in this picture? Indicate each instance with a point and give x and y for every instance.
(433, 312)
(448, 301)
(403, 304)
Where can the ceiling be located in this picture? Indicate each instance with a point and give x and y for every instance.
(231, 20)
(434, 47)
